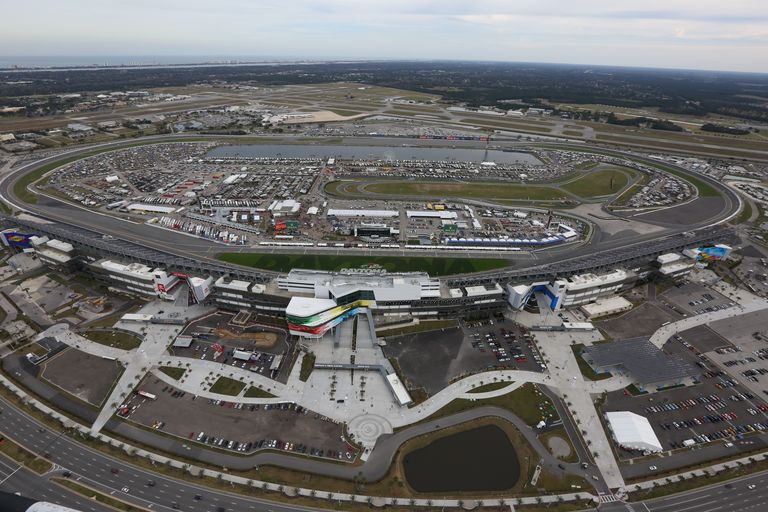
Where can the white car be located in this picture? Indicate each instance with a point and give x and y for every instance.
(653, 468)
(751, 486)
(125, 490)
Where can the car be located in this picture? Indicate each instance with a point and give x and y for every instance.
(125, 490)
(652, 468)
(150, 483)
(114, 471)
(751, 487)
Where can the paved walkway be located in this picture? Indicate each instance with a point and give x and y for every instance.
(667, 331)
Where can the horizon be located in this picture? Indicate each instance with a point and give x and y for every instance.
(9, 62)
(701, 35)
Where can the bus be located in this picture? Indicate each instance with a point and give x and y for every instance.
(147, 395)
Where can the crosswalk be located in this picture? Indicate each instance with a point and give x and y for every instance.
(607, 498)
(7, 469)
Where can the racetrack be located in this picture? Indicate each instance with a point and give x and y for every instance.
(715, 211)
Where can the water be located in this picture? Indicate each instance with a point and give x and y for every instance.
(481, 459)
(372, 153)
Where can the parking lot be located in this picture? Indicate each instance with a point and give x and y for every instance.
(433, 359)
(694, 298)
(746, 357)
(718, 409)
(237, 427)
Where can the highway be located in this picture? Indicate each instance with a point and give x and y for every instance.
(82, 461)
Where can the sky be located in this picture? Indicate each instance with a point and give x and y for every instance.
(727, 35)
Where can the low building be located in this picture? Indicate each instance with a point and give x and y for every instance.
(648, 367)
(606, 307)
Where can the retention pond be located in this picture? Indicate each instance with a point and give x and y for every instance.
(481, 459)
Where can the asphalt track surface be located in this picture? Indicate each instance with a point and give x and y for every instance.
(184, 245)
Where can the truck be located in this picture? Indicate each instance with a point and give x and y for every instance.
(689, 442)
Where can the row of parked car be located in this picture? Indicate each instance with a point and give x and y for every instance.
(685, 404)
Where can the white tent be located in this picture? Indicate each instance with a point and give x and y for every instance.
(633, 431)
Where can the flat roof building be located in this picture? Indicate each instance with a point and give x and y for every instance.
(648, 366)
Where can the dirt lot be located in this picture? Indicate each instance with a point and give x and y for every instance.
(643, 320)
(186, 417)
(433, 359)
(218, 328)
(87, 377)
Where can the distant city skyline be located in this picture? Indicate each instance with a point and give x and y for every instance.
(684, 34)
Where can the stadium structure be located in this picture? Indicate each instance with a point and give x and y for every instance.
(313, 302)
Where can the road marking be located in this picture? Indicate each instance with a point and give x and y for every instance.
(9, 476)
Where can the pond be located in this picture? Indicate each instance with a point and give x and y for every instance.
(386, 153)
(481, 459)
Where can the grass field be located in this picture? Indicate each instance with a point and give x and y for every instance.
(307, 365)
(254, 392)
(433, 266)
(227, 386)
(526, 401)
(598, 183)
(465, 190)
(745, 214)
(173, 372)
(117, 339)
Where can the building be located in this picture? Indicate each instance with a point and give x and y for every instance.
(334, 297)
(150, 208)
(55, 253)
(235, 294)
(673, 265)
(373, 230)
(633, 431)
(606, 307)
(574, 291)
(284, 207)
(649, 368)
(135, 278)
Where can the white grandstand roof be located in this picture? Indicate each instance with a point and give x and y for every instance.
(307, 306)
(362, 213)
(633, 431)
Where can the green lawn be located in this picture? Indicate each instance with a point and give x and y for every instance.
(173, 372)
(423, 326)
(254, 392)
(227, 386)
(745, 214)
(465, 190)
(433, 266)
(307, 365)
(598, 183)
(117, 339)
(526, 401)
